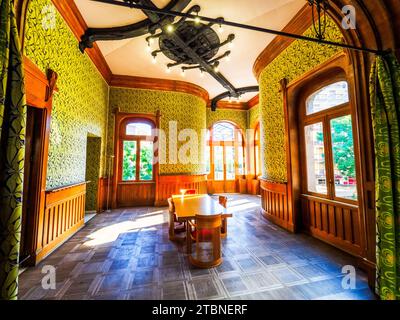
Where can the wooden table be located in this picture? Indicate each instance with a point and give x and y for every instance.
(188, 206)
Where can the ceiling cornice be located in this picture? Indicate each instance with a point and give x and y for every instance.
(241, 106)
(253, 101)
(70, 13)
(298, 25)
(159, 84)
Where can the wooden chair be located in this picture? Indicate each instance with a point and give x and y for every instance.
(190, 191)
(206, 234)
(175, 227)
(223, 201)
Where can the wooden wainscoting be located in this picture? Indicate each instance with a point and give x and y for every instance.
(172, 184)
(253, 185)
(63, 216)
(135, 194)
(334, 222)
(275, 204)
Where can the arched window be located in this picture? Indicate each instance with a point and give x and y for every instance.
(257, 151)
(226, 152)
(136, 143)
(328, 145)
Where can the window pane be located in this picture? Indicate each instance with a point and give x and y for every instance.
(138, 129)
(230, 163)
(218, 163)
(328, 97)
(343, 158)
(258, 165)
(223, 131)
(241, 160)
(315, 157)
(207, 155)
(129, 161)
(146, 160)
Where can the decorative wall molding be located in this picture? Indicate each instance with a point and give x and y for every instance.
(158, 84)
(298, 25)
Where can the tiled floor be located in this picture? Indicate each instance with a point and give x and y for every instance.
(126, 254)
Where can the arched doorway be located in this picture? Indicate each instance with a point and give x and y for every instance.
(225, 153)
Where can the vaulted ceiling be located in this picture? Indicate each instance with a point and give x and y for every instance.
(130, 57)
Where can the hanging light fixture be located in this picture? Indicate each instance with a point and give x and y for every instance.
(170, 28)
(319, 12)
(191, 44)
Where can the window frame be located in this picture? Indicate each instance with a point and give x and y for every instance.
(325, 117)
(138, 138)
(235, 143)
(257, 145)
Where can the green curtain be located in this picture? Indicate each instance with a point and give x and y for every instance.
(12, 151)
(385, 110)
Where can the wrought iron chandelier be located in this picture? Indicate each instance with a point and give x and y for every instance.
(319, 12)
(190, 44)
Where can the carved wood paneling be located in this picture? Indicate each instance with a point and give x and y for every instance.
(275, 204)
(169, 185)
(136, 194)
(334, 222)
(63, 215)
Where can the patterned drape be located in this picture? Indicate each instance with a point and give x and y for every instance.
(12, 151)
(385, 109)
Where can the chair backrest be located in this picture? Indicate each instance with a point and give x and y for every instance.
(208, 222)
(190, 191)
(171, 206)
(223, 201)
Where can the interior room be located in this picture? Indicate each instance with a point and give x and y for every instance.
(199, 150)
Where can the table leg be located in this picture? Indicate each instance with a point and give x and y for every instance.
(188, 239)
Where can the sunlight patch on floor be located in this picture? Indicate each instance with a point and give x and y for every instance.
(111, 233)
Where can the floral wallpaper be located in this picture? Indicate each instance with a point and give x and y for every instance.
(294, 61)
(187, 110)
(80, 106)
(237, 116)
(253, 116)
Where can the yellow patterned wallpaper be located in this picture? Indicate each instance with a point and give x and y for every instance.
(293, 62)
(237, 116)
(80, 107)
(253, 116)
(187, 110)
